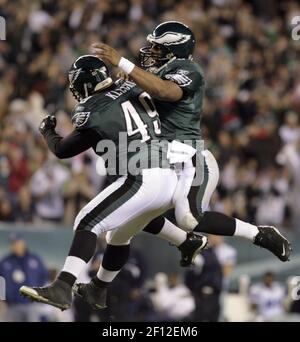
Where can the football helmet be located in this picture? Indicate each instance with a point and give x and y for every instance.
(87, 75)
(168, 40)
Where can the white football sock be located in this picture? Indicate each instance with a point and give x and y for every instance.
(172, 233)
(74, 265)
(105, 275)
(245, 230)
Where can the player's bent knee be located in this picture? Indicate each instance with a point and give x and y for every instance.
(116, 240)
(184, 218)
(186, 221)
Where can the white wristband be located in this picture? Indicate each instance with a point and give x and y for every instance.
(126, 65)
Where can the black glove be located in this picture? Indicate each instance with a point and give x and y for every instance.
(47, 124)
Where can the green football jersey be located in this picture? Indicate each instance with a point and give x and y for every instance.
(128, 126)
(181, 120)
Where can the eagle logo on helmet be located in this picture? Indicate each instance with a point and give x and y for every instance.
(169, 38)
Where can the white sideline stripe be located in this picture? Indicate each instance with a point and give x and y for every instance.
(259, 267)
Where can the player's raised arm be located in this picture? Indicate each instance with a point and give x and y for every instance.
(158, 88)
(83, 84)
(67, 147)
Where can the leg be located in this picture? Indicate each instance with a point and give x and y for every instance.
(59, 294)
(92, 221)
(190, 208)
(191, 203)
(191, 200)
(166, 230)
(117, 252)
(118, 205)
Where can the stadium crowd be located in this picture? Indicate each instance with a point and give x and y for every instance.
(251, 108)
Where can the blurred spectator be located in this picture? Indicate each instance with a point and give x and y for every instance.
(272, 204)
(226, 256)
(18, 268)
(267, 298)
(289, 155)
(19, 172)
(6, 211)
(171, 298)
(290, 131)
(78, 192)
(47, 189)
(205, 280)
(25, 209)
(225, 253)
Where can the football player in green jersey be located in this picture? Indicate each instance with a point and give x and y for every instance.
(105, 111)
(176, 84)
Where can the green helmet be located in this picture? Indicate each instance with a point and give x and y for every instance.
(175, 40)
(87, 75)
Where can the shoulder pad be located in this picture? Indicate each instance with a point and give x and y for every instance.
(79, 119)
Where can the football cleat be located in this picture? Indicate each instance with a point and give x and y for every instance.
(58, 294)
(192, 246)
(94, 295)
(270, 238)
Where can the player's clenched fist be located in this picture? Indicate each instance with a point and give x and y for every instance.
(49, 122)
